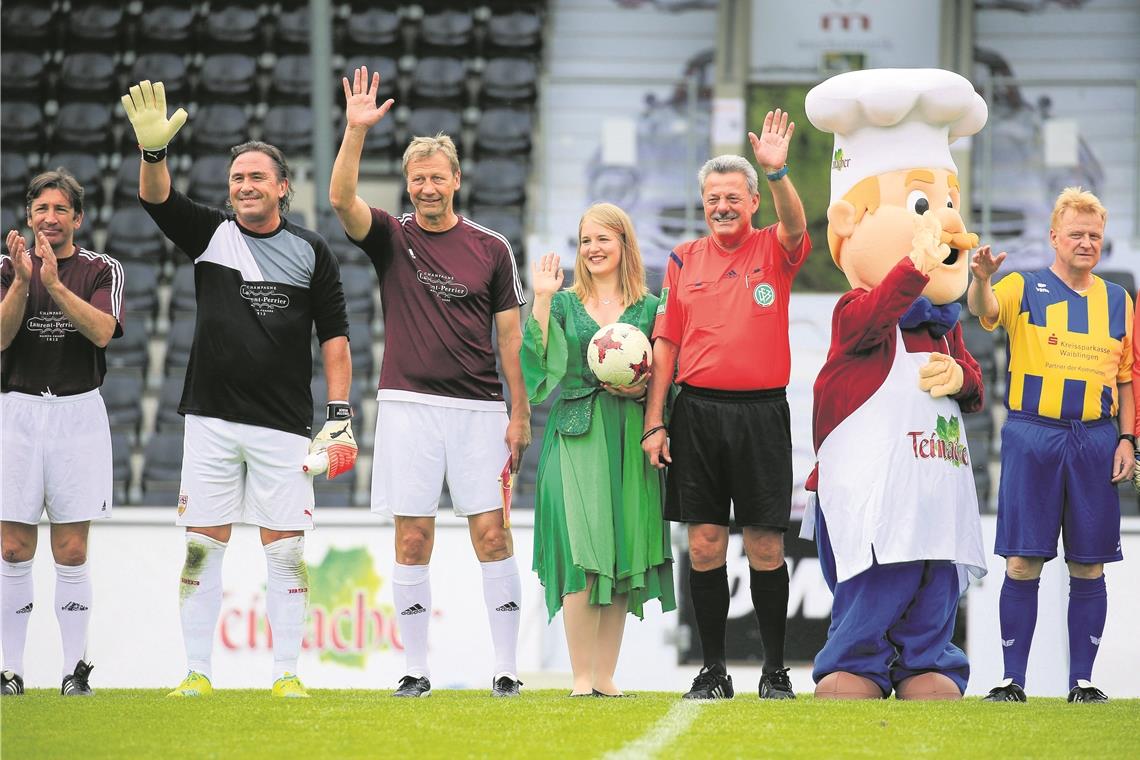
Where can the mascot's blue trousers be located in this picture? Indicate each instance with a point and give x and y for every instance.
(892, 621)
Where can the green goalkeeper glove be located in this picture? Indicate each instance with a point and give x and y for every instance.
(145, 106)
(335, 441)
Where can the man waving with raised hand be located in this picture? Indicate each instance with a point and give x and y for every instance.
(261, 284)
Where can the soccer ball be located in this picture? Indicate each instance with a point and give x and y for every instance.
(619, 354)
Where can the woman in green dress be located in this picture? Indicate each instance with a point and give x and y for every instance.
(601, 547)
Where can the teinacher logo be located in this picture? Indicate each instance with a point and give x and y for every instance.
(944, 443)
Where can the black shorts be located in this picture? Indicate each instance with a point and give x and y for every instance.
(730, 446)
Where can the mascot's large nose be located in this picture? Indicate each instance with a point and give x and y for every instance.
(954, 234)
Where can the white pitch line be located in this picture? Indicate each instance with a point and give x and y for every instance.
(662, 733)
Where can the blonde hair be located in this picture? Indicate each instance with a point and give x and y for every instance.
(631, 270)
(866, 199)
(425, 147)
(1079, 200)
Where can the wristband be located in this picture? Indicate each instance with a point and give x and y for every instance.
(1127, 437)
(651, 431)
(778, 175)
(153, 156)
(338, 410)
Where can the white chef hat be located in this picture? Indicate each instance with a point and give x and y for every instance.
(890, 119)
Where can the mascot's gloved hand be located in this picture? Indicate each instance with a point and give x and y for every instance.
(336, 440)
(941, 376)
(145, 105)
(927, 248)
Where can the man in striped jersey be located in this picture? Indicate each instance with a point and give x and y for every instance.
(60, 308)
(443, 280)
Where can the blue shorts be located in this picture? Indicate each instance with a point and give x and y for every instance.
(1058, 474)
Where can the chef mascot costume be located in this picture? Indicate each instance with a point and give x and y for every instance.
(895, 513)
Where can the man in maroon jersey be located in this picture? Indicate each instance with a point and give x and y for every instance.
(60, 308)
(443, 280)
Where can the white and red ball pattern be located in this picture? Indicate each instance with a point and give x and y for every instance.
(619, 354)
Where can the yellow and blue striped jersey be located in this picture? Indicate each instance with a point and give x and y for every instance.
(1067, 350)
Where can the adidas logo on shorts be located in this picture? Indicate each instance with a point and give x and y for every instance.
(25, 609)
(73, 607)
(415, 609)
(508, 607)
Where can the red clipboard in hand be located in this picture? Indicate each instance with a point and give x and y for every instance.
(506, 485)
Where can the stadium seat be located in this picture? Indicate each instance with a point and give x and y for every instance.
(179, 340)
(127, 180)
(504, 131)
(14, 176)
(87, 170)
(517, 31)
(357, 279)
(509, 80)
(162, 468)
(121, 446)
(168, 68)
(345, 251)
(290, 128)
(360, 342)
(389, 75)
(233, 27)
(169, 396)
(182, 292)
(439, 81)
(168, 27)
(209, 180)
(121, 393)
(371, 30)
(128, 350)
(23, 76)
(95, 26)
(140, 290)
(89, 76)
(12, 218)
(21, 126)
(229, 78)
(217, 127)
(447, 31)
(133, 236)
(29, 25)
(292, 80)
(429, 121)
(499, 182)
(292, 31)
(85, 127)
(381, 140)
(506, 222)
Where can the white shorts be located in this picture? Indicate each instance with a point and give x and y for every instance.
(418, 445)
(232, 472)
(56, 452)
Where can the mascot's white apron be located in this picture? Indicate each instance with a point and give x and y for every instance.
(895, 481)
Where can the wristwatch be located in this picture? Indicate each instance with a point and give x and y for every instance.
(1127, 437)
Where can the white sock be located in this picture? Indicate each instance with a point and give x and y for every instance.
(15, 609)
(502, 591)
(286, 601)
(200, 596)
(411, 590)
(73, 610)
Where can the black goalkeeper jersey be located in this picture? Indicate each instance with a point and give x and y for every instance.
(258, 297)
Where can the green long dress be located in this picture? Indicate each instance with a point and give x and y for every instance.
(598, 500)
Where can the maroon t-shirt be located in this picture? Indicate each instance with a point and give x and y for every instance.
(439, 294)
(49, 355)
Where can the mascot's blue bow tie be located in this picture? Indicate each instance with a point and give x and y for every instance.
(937, 319)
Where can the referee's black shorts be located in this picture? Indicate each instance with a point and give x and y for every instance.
(730, 446)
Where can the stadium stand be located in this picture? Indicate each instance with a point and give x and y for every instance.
(140, 291)
(121, 392)
(162, 468)
(132, 236)
(216, 128)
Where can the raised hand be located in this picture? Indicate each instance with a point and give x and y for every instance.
(984, 265)
(49, 272)
(771, 147)
(927, 250)
(546, 275)
(145, 106)
(21, 259)
(360, 108)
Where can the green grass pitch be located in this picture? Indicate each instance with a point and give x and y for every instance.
(136, 723)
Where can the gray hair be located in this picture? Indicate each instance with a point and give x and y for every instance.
(727, 164)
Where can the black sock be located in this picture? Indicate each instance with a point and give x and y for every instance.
(709, 590)
(770, 600)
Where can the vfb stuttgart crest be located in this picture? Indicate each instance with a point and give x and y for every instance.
(764, 294)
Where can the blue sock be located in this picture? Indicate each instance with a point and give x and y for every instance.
(1017, 612)
(1088, 607)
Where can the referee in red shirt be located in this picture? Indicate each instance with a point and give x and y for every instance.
(723, 322)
